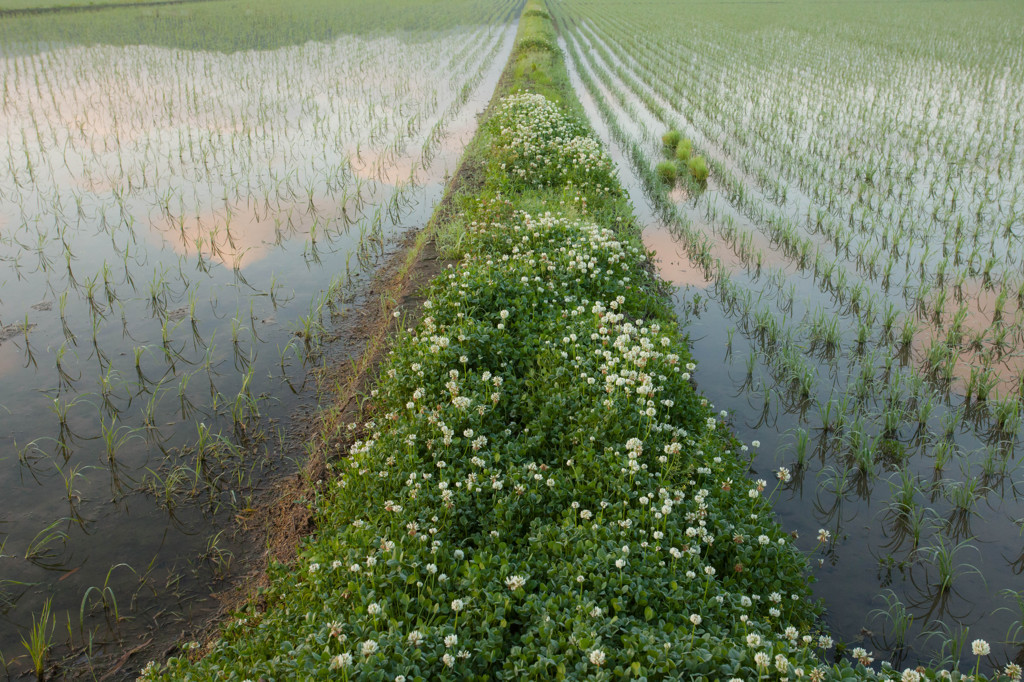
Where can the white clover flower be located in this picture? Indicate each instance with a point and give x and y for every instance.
(695, 618)
(416, 638)
(980, 647)
(458, 605)
(597, 657)
(369, 647)
(374, 609)
(761, 659)
(515, 582)
(341, 661)
(449, 660)
(451, 640)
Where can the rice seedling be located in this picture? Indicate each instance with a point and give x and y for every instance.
(896, 623)
(666, 171)
(684, 150)
(698, 168)
(670, 139)
(42, 547)
(943, 561)
(952, 641)
(105, 598)
(218, 557)
(40, 640)
(1006, 414)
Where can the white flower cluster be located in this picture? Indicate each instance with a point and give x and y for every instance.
(544, 147)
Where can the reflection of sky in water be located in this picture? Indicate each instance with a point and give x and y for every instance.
(193, 139)
(673, 264)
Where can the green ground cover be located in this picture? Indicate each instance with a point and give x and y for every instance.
(540, 493)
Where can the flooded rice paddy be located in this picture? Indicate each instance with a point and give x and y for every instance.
(850, 276)
(180, 229)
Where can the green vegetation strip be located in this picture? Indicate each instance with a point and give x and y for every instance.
(541, 494)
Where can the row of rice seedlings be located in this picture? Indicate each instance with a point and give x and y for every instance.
(990, 262)
(157, 299)
(805, 249)
(861, 452)
(864, 327)
(889, 268)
